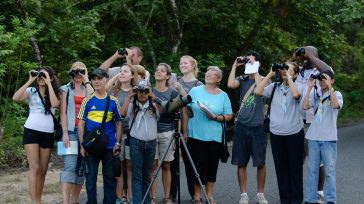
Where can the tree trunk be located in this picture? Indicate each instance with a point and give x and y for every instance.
(33, 40)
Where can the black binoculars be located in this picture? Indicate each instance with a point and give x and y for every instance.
(37, 74)
(122, 51)
(299, 51)
(319, 76)
(74, 72)
(83, 168)
(278, 66)
(242, 60)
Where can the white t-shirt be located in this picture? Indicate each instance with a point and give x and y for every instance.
(37, 119)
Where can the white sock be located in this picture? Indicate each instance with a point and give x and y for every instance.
(321, 193)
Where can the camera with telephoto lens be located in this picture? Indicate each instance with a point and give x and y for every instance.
(37, 74)
(242, 60)
(320, 76)
(74, 72)
(122, 51)
(299, 51)
(173, 104)
(278, 66)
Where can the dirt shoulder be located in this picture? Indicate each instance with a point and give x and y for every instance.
(14, 186)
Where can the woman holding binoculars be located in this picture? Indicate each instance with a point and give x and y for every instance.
(38, 136)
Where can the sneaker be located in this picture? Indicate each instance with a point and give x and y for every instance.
(261, 199)
(244, 199)
(118, 201)
(320, 198)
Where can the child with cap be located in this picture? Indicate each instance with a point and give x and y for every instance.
(322, 136)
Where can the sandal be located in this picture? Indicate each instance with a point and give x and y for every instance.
(212, 200)
(154, 200)
(196, 202)
(167, 201)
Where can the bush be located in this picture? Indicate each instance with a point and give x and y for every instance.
(12, 154)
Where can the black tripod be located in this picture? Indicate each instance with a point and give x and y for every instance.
(179, 139)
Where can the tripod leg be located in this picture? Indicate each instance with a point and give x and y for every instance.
(158, 169)
(194, 168)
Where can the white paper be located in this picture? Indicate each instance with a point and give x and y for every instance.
(251, 68)
(205, 109)
(72, 149)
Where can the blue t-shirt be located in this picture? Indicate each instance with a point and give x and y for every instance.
(92, 111)
(200, 127)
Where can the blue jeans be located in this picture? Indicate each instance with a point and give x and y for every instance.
(107, 174)
(69, 173)
(142, 157)
(327, 152)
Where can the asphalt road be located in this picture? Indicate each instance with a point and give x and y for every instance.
(349, 170)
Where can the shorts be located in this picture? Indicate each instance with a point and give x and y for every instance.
(125, 151)
(205, 156)
(248, 142)
(69, 173)
(163, 140)
(44, 139)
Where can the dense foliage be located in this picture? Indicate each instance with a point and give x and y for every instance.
(215, 32)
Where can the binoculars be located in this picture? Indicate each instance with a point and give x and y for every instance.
(122, 51)
(242, 60)
(74, 72)
(320, 76)
(37, 74)
(278, 66)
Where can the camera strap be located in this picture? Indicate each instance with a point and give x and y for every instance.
(132, 122)
(102, 127)
(48, 109)
(244, 99)
(321, 102)
(270, 100)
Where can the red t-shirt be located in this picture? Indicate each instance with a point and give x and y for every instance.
(78, 102)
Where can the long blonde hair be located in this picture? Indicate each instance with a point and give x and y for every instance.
(193, 62)
(77, 64)
(133, 82)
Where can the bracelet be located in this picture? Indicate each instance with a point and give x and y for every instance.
(64, 130)
(290, 77)
(88, 82)
(118, 144)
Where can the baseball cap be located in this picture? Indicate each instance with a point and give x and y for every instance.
(99, 73)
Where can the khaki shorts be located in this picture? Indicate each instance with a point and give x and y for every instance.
(125, 151)
(163, 140)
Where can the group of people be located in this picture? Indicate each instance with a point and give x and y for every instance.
(139, 131)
